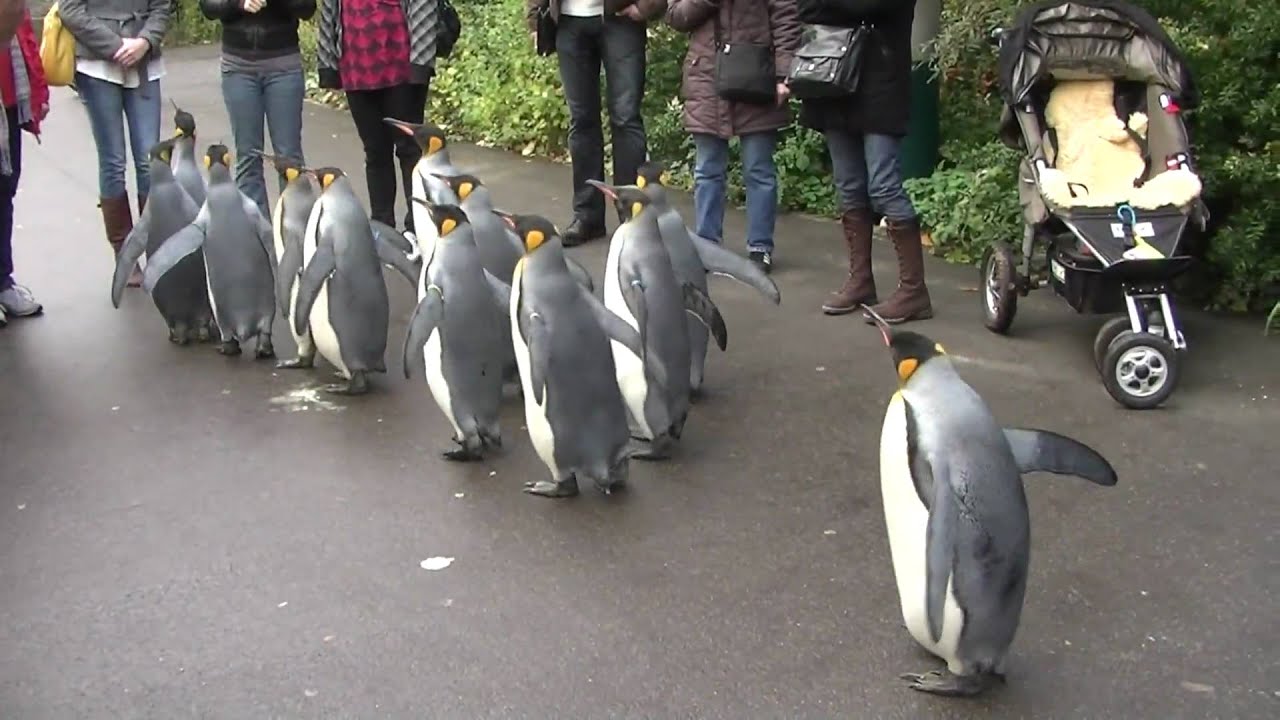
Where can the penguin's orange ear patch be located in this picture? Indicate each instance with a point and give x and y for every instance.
(447, 226)
(226, 159)
(208, 161)
(434, 145)
(641, 182)
(534, 239)
(907, 368)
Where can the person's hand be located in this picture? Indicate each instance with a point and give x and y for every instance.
(533, 38)
(131, 51)
(782, 93)
(632, 13)
(253, 6)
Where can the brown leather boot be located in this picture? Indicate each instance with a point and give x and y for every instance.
(911, 300)
(117, 219)
(859, 285)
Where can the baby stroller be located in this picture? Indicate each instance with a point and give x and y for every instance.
(1093, 91)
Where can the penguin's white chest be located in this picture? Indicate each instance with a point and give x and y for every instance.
(303, 341)
(629, 369)
(907, 520)
(321, 329)
(535, 415)
(433, 362)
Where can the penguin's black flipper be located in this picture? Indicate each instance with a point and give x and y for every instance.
(699, 305)
(534, 330)
(287, 274)
(633, 295)
(721, 261)
(425, 319)
(940, 543)
(313, 277)
(175, 248)
(134, 245)
(1044, 451)
(394, 249)
(580, 274)
(262, 225)
(501, 291)
(620, 330)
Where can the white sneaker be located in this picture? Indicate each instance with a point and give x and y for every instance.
(18, 302)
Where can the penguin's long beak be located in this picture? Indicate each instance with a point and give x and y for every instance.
(407, 128)
(507, 218)
(610, 191)
(885, 331)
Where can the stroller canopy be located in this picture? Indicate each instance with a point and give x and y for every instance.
(1090, 38)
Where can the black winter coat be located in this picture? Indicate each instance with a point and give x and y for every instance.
(882, 102)
(270, 32)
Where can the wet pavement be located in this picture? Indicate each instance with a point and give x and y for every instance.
(187, 535)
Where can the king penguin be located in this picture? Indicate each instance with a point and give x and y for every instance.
(457, 329)
(289, 220)
(574, 411)
(342, 293)
(425, 185)
(185, 167)
(693, 258)
(182, 296)
(956, 513)
(640, 286)
(239, 260)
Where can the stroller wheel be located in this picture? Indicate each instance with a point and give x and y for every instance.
(1108, 332)
(1140, 370)
(999, 288)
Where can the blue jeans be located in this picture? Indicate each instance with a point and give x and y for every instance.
(250, 98)
(110, 107)
(868, 173)
(8, 189)
(759, 175)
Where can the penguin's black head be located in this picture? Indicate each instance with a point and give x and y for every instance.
(287, 167)
(326, 175)
(534, 231)
(910, 350)
(461, 185)
(184, 123)
(217, 154)
(651, 173)
(162, 151)
(629, 199)
(429, 137)
(447, 218)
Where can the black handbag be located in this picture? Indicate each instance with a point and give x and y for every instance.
(545, 30)
(450, 29)
(744, 71)
(829, 61)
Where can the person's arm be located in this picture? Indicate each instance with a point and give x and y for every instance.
(688, 15)
(12, 13)
(160, 12)
(221, 9)
(300, 9)
(651, 9)
(784, 28)
(88, 30)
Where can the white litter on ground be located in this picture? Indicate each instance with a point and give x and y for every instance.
(304, 398)
(436, 563)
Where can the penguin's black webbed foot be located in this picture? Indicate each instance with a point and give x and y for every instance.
(462, 454)
(657, 449)
(298, 363)
(357, 385)
(178, 335)
(943, 682)
(552, 489)
(229, 348)
(265, 349)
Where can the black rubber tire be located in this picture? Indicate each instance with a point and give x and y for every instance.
(1108, 332)
(998, 269)
(1120, 359)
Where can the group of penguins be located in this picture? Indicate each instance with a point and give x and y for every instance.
(603, 381)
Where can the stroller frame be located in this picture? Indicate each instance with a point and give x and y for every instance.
(1085, 252)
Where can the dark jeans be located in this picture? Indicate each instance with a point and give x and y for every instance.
(868, 173)
(9, 188)
(383, 145)
(251, 98)
(582, 46)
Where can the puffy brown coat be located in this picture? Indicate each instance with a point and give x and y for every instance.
(762, 22)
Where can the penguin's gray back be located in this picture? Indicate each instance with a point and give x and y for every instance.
(186, 170)
(171, 207)
(469, 340)
(584, 407)
(684, 256)
(358, 304)
(977, 489)
(181, 295)
(239, 270)
(496, 250)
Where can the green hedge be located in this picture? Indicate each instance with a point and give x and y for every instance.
(496, 92)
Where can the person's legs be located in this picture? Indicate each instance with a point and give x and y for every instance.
(379, 170)
(142, 113)
(243, 94)
(407, 103)
(104, 103)
(709, 173)
(910, 301)
(578, 52)
(15, 300)
(624, 71)
(760, 175)
(282, 102)
(849, 168)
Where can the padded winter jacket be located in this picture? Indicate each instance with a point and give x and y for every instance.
(270, 32)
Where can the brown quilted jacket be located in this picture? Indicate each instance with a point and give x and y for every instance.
(762, 22)
(650, 9)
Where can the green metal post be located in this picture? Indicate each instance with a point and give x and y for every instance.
(920, 146)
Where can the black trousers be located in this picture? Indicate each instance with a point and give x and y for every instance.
(383, 145)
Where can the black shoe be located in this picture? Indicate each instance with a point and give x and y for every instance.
(580, 232)
(763, 260)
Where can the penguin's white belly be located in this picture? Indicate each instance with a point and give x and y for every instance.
(213, 302)
(303, 341)
(907, 520)
(535, 415)
(323, 334)
(629, 369)
(433, 360)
